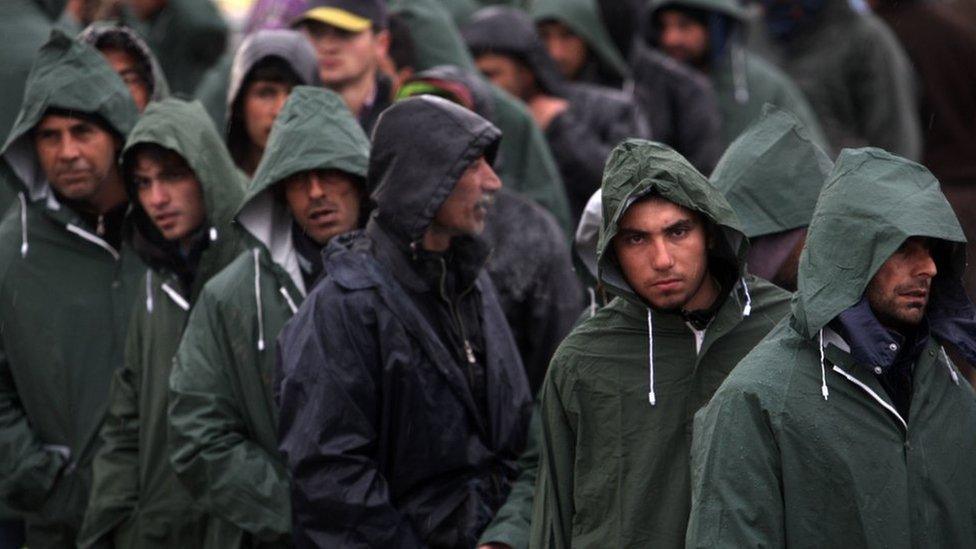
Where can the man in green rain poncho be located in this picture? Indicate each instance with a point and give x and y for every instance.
(847, 426)
(617, 405)
(184, 188)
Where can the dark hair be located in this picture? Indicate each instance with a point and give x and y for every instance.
(89, 117)
(269, 69)
(120, 41)
(402, 50)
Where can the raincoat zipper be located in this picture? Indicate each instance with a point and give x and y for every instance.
(456, 317)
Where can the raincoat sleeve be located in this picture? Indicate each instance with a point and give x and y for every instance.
(115, 467)
(511, 524)
(737, 498)
(28, 471)
(229, 474)
(552, 509)
(331, 364)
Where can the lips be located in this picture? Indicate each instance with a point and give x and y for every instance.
(324, 216)
(165, 219)
(665, 285)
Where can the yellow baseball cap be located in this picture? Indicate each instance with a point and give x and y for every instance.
(349, 15)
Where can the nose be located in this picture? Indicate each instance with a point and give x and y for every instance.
(69, 149)
(490, 181)
(279, 103)
(924, 264)
(158, 195)
(661, 258)
(316, 186)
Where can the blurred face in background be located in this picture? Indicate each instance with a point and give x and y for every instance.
(565, 47)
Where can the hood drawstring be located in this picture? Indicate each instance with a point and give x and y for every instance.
(289, 300)
(747, 310)
(592, 293)
(739, 75)
(149, 293)
(257, 298)
(823, 368)
(23, 225)
(650, 359)
(213, 234)
(952, 372)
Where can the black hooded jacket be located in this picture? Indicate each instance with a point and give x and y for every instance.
(598, 118)
(392, 436)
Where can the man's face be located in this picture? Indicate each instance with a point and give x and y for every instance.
(263, 101)
(77, 156)
(508, 74)
(465, 209)
(346, 58)
(125, 65)
(899, 292)
(682, 37)
(325, 203)
(662, 250)
(565, 47)
(170, 194)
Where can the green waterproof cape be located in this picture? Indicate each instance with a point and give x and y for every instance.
(65, 299)
(223, 438)
(136, 500)
(622, 388)
(801, 446)
(772, 174)
(526, 164)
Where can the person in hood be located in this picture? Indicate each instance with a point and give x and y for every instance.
(183, 187)
(187, 36)
(582, 122)
(851, 400)
(61, 251)
(350, 38)
(707, 35)
(617, 403)
(132, 60)
(851, 68)
(404, 404)
(576, 37)
(530, 264)
(309, 187)
(772, 175)
(267, 66)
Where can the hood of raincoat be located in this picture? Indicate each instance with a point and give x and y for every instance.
(583, 18)
(509, 31)
(437, 40)
(53, 8)
(772, 174)
(637, 168)
(68, 75)
(725, 20)
(478, 91)
(314, 130)
(185, 129)
(871, 203)
(100, 32)
(413, 177)
(289, 46)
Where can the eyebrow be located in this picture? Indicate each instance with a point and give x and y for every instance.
(684, 223)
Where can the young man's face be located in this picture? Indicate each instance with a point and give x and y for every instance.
(345, 58)
(565, 47)
(508, 74)
(324, 203)
(466, 208)
(682, 37)
(262, 102)
(899, 292)
(662, 249)
(76, 155)
(170, 194)
(125, 65)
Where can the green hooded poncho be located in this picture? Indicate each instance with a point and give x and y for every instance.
(583, 18)
(801, 446)
(65, 299)
(223, 417)
(136, 500)
(744, 82)
(772, 174)
(616, 414)
(526, 164)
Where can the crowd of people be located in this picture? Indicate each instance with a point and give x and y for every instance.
(488, 274)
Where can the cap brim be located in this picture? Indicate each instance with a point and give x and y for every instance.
(337, 18)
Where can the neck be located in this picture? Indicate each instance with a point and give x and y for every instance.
(254, 154)
(436, 239)
(110, 196)
(357, 93)
(706, 295)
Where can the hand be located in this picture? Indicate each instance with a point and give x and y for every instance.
(545, 108)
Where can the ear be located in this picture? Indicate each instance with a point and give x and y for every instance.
(381, 43)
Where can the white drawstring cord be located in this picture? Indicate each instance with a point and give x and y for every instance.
(213, 234)
(257, 298)
(650, 359)
(592, 293)
(823, 368)
(149, 293)
(748, 308)
(952, 372)
(23, 225)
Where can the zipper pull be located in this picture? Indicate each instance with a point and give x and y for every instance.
(100, 226)
(469, 352)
